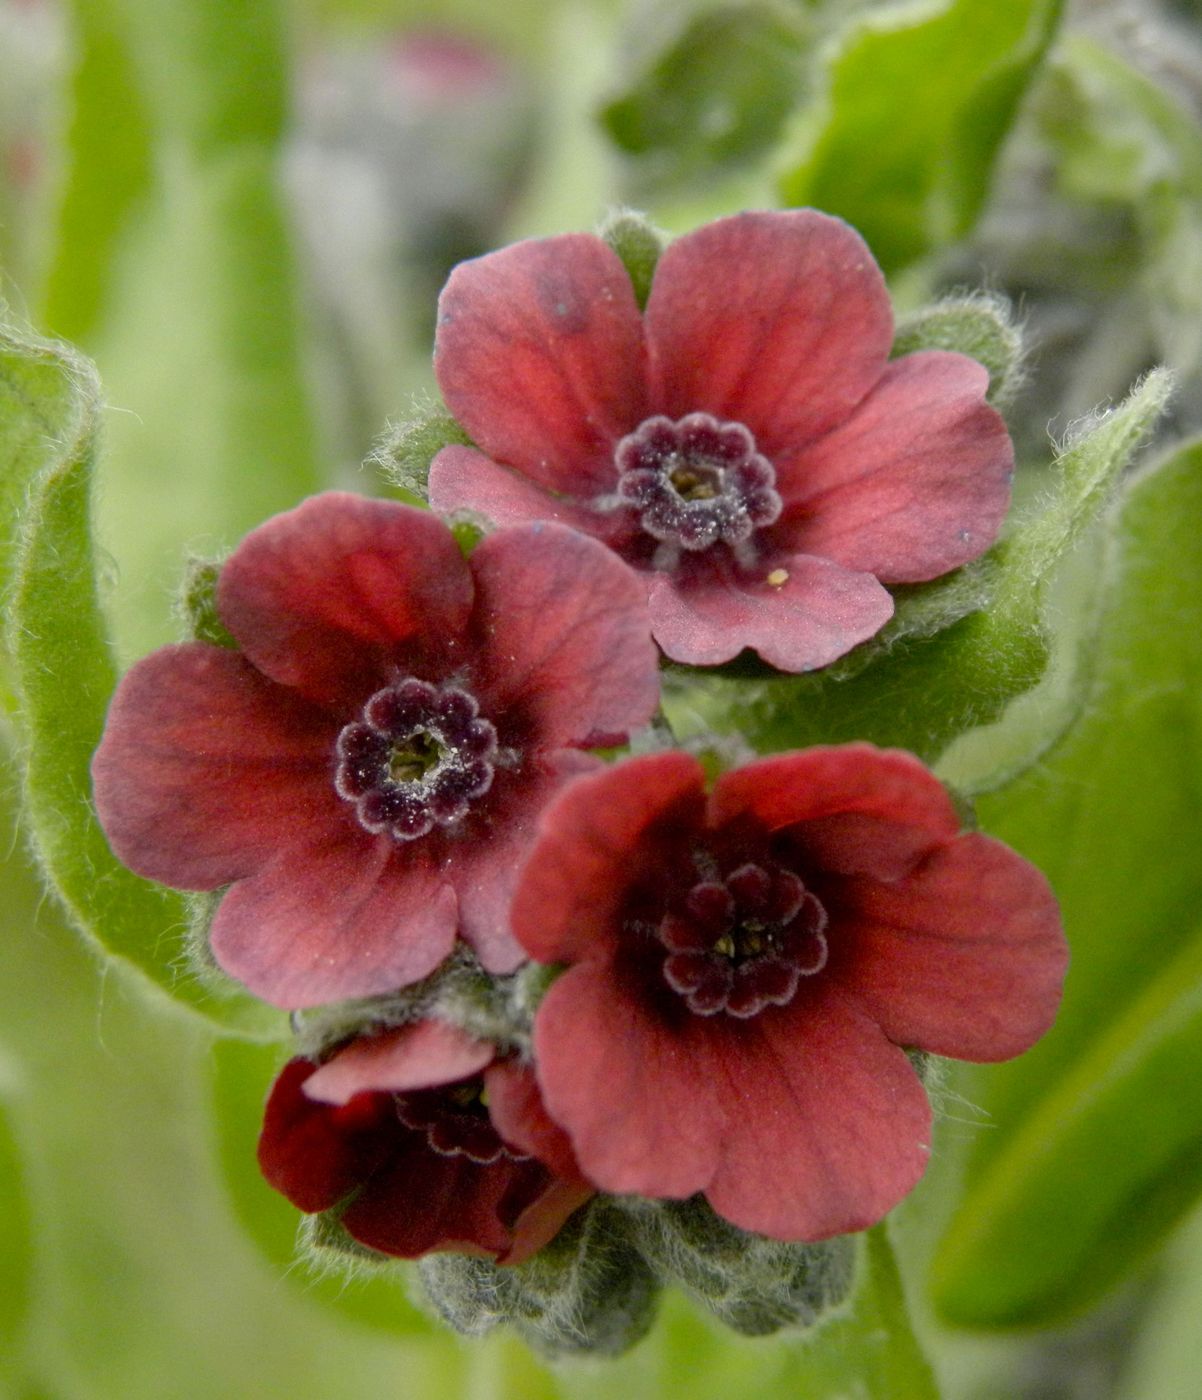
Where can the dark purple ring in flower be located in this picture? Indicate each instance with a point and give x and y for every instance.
(742, 943)
(455, 1120)
(419, 757)
(697, 481)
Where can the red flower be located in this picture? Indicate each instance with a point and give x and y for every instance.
(365, 771)
(744, 967)
(395, 1126)
(746, 444)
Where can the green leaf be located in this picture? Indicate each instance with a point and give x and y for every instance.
(712, 91)
(1104, 1116)
(1095, 1211)
(110, 169)
(957, 69)
(16, 1247)
(63, 671)
(1166, 1355)
(188, 301)
(1122, 141)
(958, 650)
(241, 1073)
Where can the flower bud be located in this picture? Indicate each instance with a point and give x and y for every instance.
(587, 1292)
(754, 1285)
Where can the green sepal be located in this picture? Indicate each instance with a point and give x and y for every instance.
(198, 604)
(468, 529)
(959, 650)
(587, 1293)
(638, 243)
(979, 325)
(404, 455)
(458, 991)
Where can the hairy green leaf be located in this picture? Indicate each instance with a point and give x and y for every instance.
(63, 671)
(1104, 1116)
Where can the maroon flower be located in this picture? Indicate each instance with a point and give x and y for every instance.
(746, 444)
(427, 1141)
(744, 966)
(365, 771)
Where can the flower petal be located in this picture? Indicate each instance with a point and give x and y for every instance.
(416, 1056)
(518, 1113)
(853, 808)
(828, 1126)
(565, 645)
(463, 479)
(778, 320)
(539, 354)
(965, 958)
(206, 767)
(330, 597)
(637, 1106)
(594, 839)
(709, 610)
(914, 483)
(313, 1154)
(351, 917)
(420, 1201)
(541, 1212)
(484, 873)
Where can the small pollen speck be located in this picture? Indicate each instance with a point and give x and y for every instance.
(777, 578)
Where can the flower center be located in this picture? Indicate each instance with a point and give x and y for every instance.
(742, 943)
(697, 481)
(418, 758)
(456, 1123)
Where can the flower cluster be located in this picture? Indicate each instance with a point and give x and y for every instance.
(561, 983)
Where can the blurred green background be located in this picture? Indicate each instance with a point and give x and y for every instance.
(242, 212)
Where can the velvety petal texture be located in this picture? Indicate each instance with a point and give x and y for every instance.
(800, 614)
(539, 354)
(798, 1114)
(326, 598)
(915, 482)
(205, 763)
(812, 471)
(778, 320)
(365, 770)
(344, 1134)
